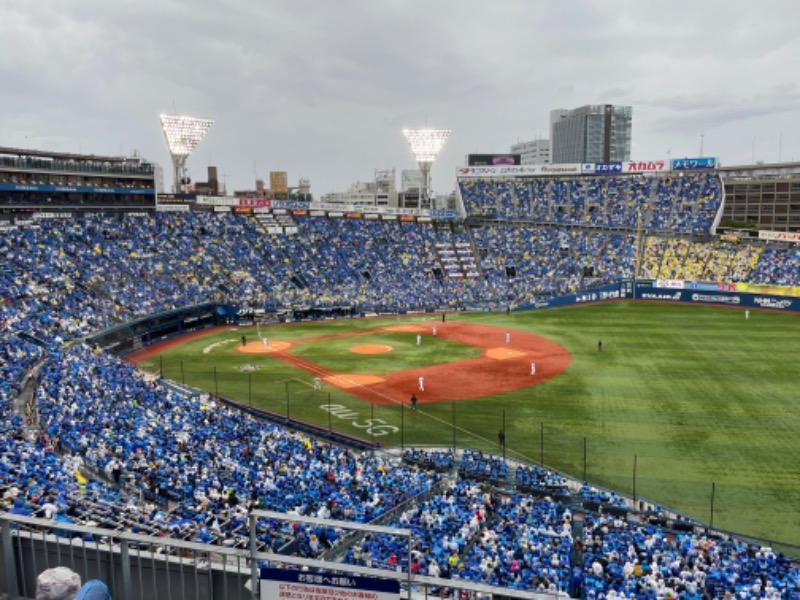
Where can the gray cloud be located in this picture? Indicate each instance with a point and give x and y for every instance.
(323, 89)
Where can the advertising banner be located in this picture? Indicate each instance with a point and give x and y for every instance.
(447, 214)
(172, 208)
(633, 166)
(645, 166)
(687, 164)
(703, 293)
(289, 204)
(175, 198)
(607, 292)
(565, 169)
(53, 215)
(519, 170)
(721, 286)
(601, 168)
(484, 160)
(720, 294)
(779, 236)
(260, 202)
(773, 290)
(217, 201)
(302, 585)
(669, 283)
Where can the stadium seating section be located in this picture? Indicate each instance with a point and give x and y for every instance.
(202, 466)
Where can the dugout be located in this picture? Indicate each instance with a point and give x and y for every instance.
(138, 333)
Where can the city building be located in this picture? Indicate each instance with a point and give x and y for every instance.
(361, 192)
(412, 185)
(261, 191)
(533, 152)
(279, 189)
(210, 187)
(279, 184)
(385, 187)
(445, 201)
(41, 180)
(591, 134)
(380, 192)
(764, 196)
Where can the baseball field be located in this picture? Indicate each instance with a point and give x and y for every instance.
(678, 399)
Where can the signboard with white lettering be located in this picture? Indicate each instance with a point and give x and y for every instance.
(779, 236)
(645, 166)
(519, 170)
(601, 168)
(303, 585)
(687, 164)
(631, 166)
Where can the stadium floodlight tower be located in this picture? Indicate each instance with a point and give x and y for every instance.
(183, 134)
(426, 144)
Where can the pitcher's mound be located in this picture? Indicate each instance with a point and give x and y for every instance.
(503, 353)
(371, 349)
(256, 347)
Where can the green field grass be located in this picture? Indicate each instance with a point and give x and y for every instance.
(694, 395)
(335, 353)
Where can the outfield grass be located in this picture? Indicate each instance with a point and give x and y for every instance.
(695, 395)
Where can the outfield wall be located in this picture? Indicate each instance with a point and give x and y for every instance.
(134, 335)
(674, 291)
(613, 291)
(694, 294)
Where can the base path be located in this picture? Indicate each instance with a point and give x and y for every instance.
(501, 367)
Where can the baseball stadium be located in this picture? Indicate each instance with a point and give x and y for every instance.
(580, 381)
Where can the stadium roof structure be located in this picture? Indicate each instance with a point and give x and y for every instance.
(65, 155)
(426, 145)
(183, 134)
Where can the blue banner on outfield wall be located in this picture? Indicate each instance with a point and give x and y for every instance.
(613, 291)
(646, 291)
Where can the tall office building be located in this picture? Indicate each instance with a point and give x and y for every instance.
(593, 133)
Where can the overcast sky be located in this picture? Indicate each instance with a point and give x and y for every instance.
(322, 89)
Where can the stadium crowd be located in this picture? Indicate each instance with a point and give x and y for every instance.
(681, 204)
(202, 467)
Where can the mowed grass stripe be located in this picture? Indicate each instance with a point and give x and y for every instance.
(405, 354)
(697, 393)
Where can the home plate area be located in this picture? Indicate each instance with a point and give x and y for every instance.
(257, 347)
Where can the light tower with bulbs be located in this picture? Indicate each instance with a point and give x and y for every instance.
(183, 134)
(426, 144)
